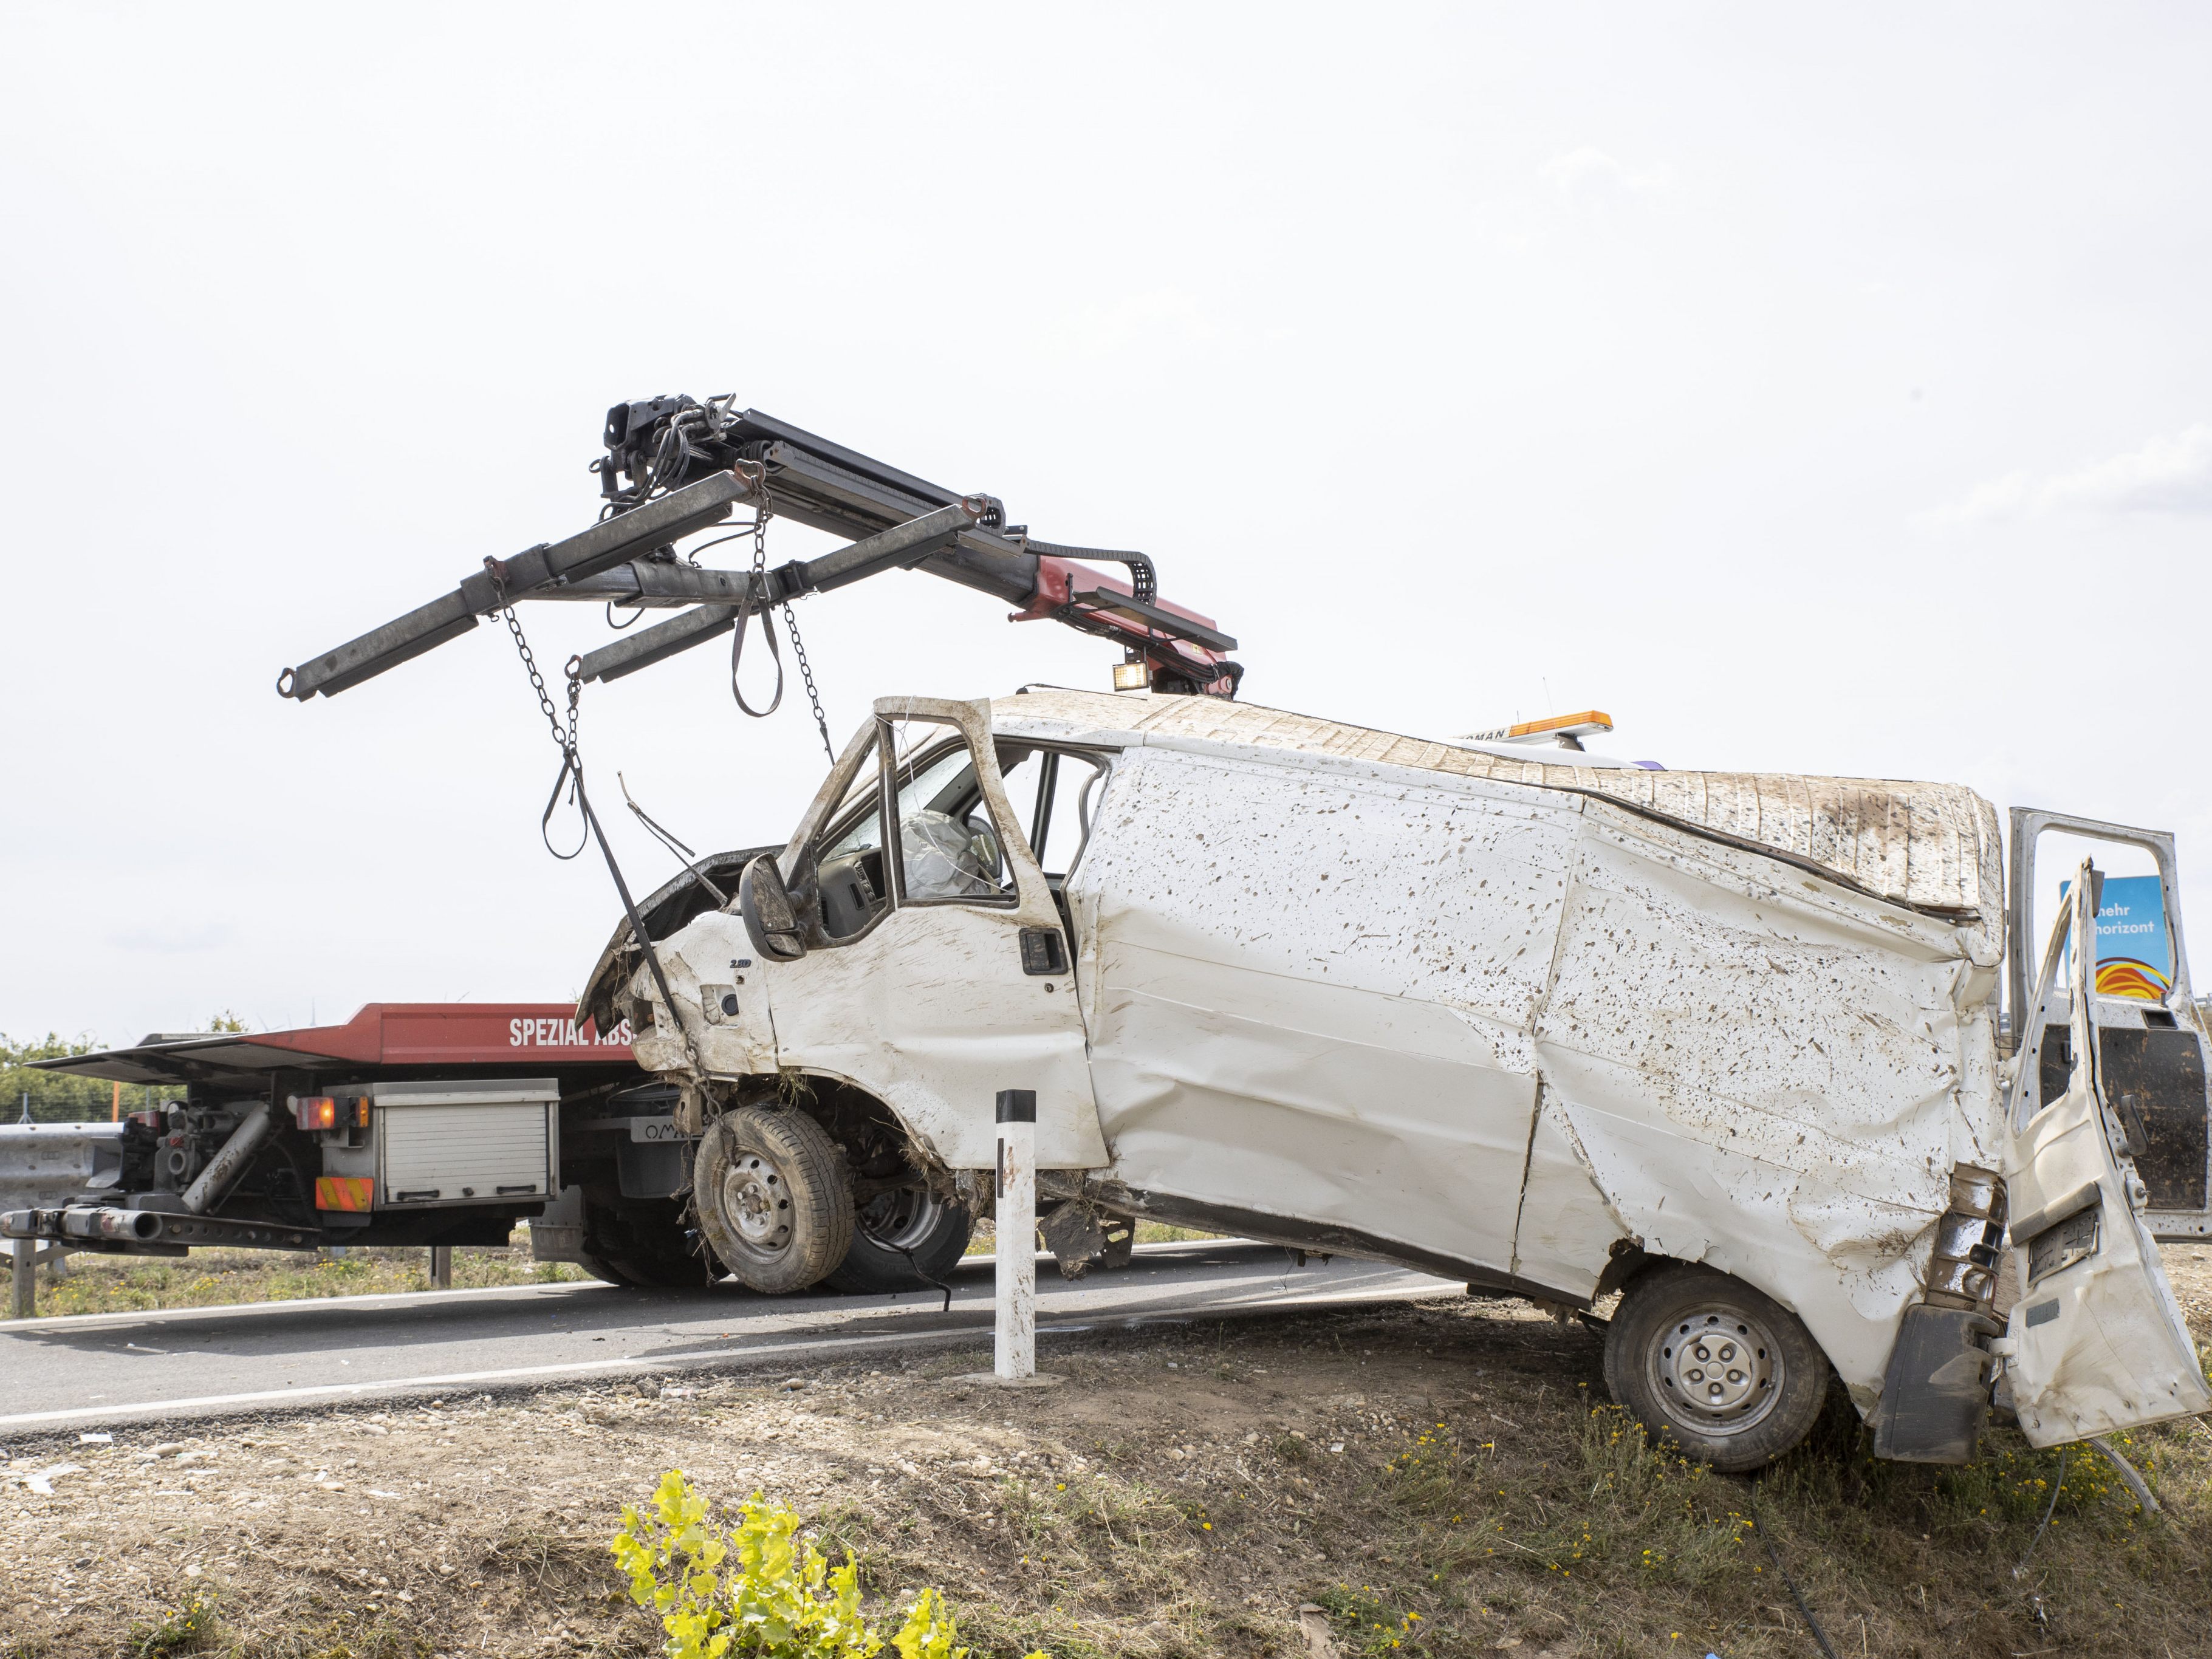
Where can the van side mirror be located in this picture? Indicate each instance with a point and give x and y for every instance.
(770, 922)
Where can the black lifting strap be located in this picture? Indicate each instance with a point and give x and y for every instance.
(756, 603)
(746, 615)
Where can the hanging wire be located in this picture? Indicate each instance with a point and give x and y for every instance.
(2035, 1601)
(742, 531)
(1804, 1609)
(668, 839)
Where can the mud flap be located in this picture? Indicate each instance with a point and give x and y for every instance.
(1081, 1238)
(1936, 1396)
(1073, 1236)
(558, 1235)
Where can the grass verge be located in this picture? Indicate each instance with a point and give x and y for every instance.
(1442, 1478)
(216, 1277)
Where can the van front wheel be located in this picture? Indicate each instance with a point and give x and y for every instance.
(773, 1198)
(1723, 1370)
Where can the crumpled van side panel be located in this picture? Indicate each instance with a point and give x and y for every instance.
(1759, 1071)
(1311, 993)
(1355, 997)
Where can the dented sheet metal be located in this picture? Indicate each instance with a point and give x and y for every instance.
(1369, 993)
(1514, 1026)
(1933, 846)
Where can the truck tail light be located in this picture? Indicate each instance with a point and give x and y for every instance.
(345, 1192)
(315, 1111)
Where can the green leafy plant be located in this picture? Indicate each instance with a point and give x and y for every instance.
(758, 1591)
(180, 1629)
(1367, 1620)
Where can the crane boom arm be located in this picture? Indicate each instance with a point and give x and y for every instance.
(718, 459)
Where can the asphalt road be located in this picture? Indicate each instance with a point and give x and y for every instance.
(101, 1368)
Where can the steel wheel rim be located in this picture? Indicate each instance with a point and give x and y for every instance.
(900, 1221)
(1717, 1370)
(756, 1204)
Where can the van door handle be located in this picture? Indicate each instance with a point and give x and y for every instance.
(1043, 951)
(2132, 1125)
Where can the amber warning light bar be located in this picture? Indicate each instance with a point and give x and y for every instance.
(1563, 729)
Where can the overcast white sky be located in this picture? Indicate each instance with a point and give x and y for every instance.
(1824, 392)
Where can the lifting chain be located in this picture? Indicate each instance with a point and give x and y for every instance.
(758, 586)
(571, 774)
(572, 763)
(807, 678)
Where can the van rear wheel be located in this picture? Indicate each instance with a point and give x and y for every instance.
(774, 1199)
(1723, 1370)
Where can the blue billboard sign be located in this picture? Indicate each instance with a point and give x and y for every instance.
(2135, 957)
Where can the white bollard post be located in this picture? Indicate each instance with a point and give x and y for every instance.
(1014, 1359)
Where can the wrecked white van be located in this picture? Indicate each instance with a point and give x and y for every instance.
(1727, 1043)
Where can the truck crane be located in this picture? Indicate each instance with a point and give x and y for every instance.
(288, 1156)
(675, 467)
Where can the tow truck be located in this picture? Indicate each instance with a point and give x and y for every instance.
(445, 1124)
(436, 1124)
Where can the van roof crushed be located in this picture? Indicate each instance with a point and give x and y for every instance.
(1933, 847)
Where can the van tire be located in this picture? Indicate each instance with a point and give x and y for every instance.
(1721, 1369)
(934, 1232)
(774, 1199)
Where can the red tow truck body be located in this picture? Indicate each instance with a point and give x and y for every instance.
(411, 1123)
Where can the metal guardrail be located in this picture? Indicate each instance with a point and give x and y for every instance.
(43, 1165)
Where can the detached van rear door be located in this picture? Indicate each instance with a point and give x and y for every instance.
(2153, 1050)
(2096, 1341)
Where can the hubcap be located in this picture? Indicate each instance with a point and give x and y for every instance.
(900, 1221)
(1718, 1371)
(756, 1203)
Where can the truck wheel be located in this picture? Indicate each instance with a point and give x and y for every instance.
(904, 1240)
(773, 1199)
(605, 1272)
(1724, 1371)
(674, 1272)
(654, 1273)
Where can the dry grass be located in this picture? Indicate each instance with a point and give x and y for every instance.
(1441, 1478)
(215, 1277)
